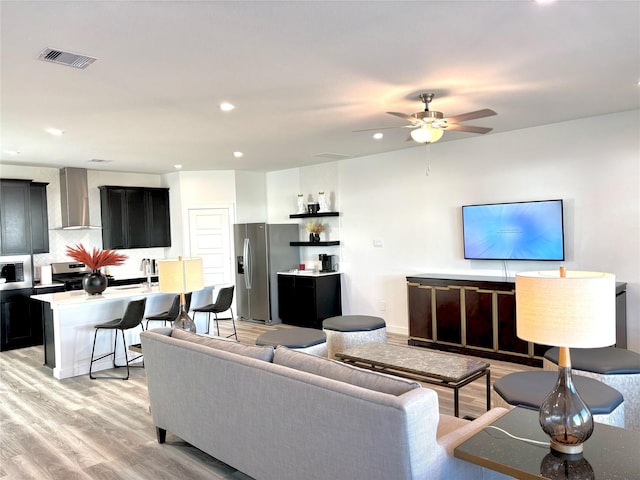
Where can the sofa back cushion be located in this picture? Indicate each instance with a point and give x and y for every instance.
(342, 372)
(254, 351)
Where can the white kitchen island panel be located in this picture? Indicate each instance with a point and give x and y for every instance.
(70, 319)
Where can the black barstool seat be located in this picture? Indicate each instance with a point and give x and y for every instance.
(131, 318)
(171, 314)
(223, 303)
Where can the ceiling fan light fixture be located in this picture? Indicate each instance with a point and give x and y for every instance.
(426, 134)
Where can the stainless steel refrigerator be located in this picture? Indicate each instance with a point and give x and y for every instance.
(261, 250)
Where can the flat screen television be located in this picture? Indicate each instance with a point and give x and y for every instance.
(514, 231)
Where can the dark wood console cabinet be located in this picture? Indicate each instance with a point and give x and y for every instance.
(306, 300)
(476, 315)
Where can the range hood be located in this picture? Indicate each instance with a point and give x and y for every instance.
(74, 198)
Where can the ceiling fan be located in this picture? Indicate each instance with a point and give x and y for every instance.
(429, 125)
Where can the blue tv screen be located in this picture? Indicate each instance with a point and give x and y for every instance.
(514, 231)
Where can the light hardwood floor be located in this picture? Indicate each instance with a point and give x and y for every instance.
(79, 428)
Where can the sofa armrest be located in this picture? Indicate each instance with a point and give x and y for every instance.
(452, 439)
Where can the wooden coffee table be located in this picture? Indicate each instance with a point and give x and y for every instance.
(421, 364)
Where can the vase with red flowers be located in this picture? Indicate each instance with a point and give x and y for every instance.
(95, 283)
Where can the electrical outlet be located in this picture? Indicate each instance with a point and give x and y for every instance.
(382, 306)
(378, 242)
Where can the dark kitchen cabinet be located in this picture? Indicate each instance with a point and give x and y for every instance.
(305, 300)
(21, 324)
(158, 211)
(15, 217)
(39, 218)
(476, 316)
(24, 225)
(135, 217)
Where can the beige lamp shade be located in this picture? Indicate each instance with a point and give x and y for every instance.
(573, 311)
(181, 275)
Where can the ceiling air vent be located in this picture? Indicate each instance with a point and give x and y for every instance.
(69, 59)
(333, 156)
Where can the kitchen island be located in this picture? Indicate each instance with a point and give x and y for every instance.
(69, 319)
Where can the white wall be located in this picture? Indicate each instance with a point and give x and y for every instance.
(203, 189)
(593, 164)
(251, 197)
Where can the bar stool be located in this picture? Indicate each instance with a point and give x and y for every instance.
(171, 314)
(132, 317)
(223, 303)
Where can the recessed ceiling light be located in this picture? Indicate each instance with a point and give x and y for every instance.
(238, 154)
(55, 131)
(177, 167)
(378, 135)
(226, 106)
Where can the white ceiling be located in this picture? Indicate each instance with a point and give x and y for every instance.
(303, 75)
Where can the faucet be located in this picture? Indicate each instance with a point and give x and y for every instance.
(145, 267)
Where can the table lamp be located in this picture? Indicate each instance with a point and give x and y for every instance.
(181, 276)
(566, 309)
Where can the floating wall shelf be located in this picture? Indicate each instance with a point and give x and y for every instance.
(330, 243)
(314, 215)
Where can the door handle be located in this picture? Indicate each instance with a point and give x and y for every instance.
(246, 252)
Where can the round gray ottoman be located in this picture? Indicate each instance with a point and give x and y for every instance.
(529, 389)
(346, 331)
(617, 367)
(309, 340)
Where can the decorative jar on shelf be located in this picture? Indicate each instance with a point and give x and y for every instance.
(302, 207)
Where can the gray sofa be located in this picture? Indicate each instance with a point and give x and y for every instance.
(279, 414)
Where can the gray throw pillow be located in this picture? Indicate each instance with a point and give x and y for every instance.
(259, 352)
(335, 370)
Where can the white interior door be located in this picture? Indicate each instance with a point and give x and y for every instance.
(209, 238)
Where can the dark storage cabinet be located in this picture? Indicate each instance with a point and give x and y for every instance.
(39, 218)
(24, 226)
(135, 217)
(21, 324)
(15, 217)
(477, 316)
(305, 301)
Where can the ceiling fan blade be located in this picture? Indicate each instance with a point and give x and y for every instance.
(383, 128)
(410, 118)
(467, 128)
(463, 117)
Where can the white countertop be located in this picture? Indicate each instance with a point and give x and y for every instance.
(78, 297)
(308, 273)
(48, 285)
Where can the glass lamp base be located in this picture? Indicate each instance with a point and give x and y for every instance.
(565, 417)
(184, 322)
